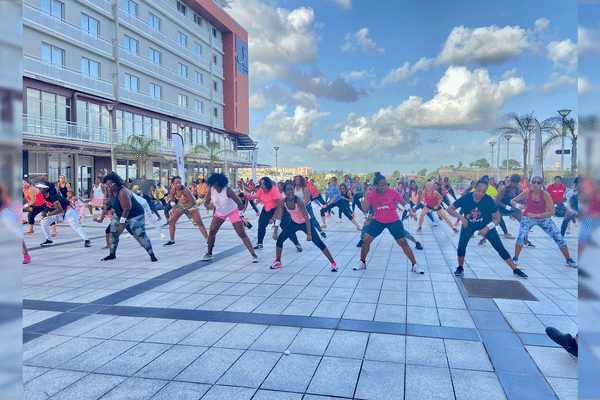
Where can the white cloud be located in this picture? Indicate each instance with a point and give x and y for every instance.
(337, 127)
(293, 130)
(367, 44)
(584, 86)
(406, 71)
(541, 24)
(258, 101)
(306, 100)
(509, 74)
(347, 4)
(563, 54)
(483, 46)
(556, 81)
(354, 76)
(588, 41)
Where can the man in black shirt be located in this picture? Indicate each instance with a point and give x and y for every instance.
(60, 210)
(479, 213)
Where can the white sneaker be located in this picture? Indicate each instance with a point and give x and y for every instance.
(162, 235)
(434, 223)
(361, 265)
(416, 269)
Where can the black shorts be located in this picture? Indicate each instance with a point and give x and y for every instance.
(396, 228)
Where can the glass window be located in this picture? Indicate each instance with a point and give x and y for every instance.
(199, 106)
(182, 39)
(197, 19)
(181, 7)
(182, 100)
(130, 45)
(52, 55)
(198, 77)
(130, 7)
(182, 70)
(90, 68)
(155, 56)
(89, 25)
(214, 32)
(131, 83)
(215, 86)
(155, 91)
(154, 21)
(198, 48)
(53, 8)
(216, 112)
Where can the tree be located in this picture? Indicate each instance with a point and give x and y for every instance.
(481, 163)
(422, 172)
(570, 133)
(460, 164)
(512, 164)
(522, 127)
(140, 148)
(212, 150)
(396, 174)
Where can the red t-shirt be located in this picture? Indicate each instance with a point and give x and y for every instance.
(384, 205)
(268, 199)
(557, 193)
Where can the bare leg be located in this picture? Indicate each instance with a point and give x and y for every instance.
(511, 263)
(442, 214)
(424, 211)
(565, 251)
(518, 248)
(198, 220)
(107, 244)
(239, 229)
(214, 228)
(172, 221)
(366, 246)
(407, 250)
(25, 253)
(278, 251)
(328, 255)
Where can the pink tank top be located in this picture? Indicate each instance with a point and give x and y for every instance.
(414, 196)
(430, 200)
(296, 214)
(533, 207)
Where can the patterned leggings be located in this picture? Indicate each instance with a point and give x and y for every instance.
(135, 226)
(547, 226)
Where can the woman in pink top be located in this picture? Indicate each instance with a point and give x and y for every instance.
(432, 200)
(538, 207)
(300, 222)
(269, 197)
(383, 199)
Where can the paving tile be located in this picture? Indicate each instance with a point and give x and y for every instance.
(246, 304)
(464, 354)
(428, 383)
(360, 311)
(134, 359)
(50, 383)
(63, 352)
(251, 369)
(449, 300)
(181, 391)
(30, 373)
(41, 344)
(329, 381)
(97, 356)
(135, 389)
(143, 330)
(381, 381)
(273, 305)
(210, 366)
(426, 351)
(330, 309)
(292, 373)
(390, 313)
(422, 316)
(392, 297)
(315, 293)
(240, 337)
(469, 385)
(554, 362)
(301, 307)
(455, 317)
(170, 363)
(274, 395)
(389, 348)
(524, 322)
(90, 387)
(565, 389)
(521, 387)
(112, 327)
(227, 392)
(208, 334)
(346, 344)
(275, 338)
(311, 341)
(175, 332)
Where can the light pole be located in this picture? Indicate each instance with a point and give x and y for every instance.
(508, 137)
(276, 149)
(493, 144)
(563, 114)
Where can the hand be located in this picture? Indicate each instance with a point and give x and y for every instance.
(271, 221)
(484, 231)
(464, 221)
(120, 229)
(412, 215)
(274, 235)
(531, 215)
(96, 219)
(309, 237)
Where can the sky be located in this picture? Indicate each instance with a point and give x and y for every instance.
(360, 86)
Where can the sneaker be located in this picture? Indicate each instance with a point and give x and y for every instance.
(434, 223)
(47, 243)
(258, 246)
(254, 258)
(353, 216)
(530, 245)
(88, 243)
(28, 233)
(455, 230)
(169, 243)
(568, 231)
(323, 235)
(440, 218)
(419, 229)
(334, 267)
(418, 246)
(299, 248)
(109, 257)
(162, 235)
(519, 274)
(416, 269)
(359, 244)
(361, 265)
(153, 258)
(54, 234)
(508, 236)
(207, 257)
(328, 215)
(457, 223)
(563, 339)
(571, 263)
(27, 260)
(323, 226)
(516, 260)
(481, 243)
(460, 271)
(276, 265)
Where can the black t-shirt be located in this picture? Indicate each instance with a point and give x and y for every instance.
(53, 198)
(478, 214)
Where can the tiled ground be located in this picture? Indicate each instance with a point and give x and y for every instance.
(183, 329)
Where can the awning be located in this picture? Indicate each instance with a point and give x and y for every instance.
(244, 142)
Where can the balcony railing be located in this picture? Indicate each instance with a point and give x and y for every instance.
(168, 9)
(218, 71)
(218, 97)
(103, 5)
(218, 123)
(69, 32)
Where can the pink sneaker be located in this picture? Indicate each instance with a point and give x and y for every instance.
(26, 259)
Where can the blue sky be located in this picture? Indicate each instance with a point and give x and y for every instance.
(347, 84)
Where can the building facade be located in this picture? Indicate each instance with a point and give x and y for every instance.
(96, 72)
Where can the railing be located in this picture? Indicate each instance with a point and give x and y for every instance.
(104, 5)
(218, 123)
(66, 76)
(171, 11)
(218, 71)
(68, 31)
(218, 97)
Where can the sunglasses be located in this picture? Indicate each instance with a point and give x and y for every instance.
(537, 182)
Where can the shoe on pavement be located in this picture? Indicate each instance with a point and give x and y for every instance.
(254, 258)
(299, 248)
(568, 231)
(28, 233)
(153, 258)
(334, 267)
(48, 242)
(516, 260)
(258, 246)
(455, 230)
(26, 259)
(207, 257)
(323, 235)
(361, 265)
(54, 234)
(419, 229)
(457, 223)
(460, 271)
(418, 246)
(276, 265)
(563, 339)
(508, 236)
(571, 263)
(88, 243)
(529, 244)
(416, 269)
(323, 226)
(359, 244)
(434, 223)
(519, 274)
(169, 243)
(481, 243)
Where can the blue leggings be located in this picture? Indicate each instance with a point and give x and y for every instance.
(547, 226)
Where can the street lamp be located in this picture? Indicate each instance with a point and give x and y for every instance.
(111, 107)
(493, 144)
(508, 137)
(563, 114)
(276, 149)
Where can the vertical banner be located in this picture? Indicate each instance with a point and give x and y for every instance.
(254, 162)
(178, 145)
(537, 154)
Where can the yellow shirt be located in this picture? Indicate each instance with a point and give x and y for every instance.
(490, 191)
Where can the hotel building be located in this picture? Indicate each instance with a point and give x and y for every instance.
(97, 71)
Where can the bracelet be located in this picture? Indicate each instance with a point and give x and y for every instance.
(518, 205)
(491, 225)
(173, 204)
(277, 222)
(242, 214)
(407, 207)
(508, 208)
(122, 220)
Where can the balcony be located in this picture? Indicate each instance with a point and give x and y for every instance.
(67, 77)
(103, 5)
(218, 97)
(168, 76)
(68, 32)
(168, 9)
(45, 127)
(218, 71)
(218, 123)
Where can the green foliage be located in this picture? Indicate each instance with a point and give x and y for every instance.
(460, 164)
(212, 150)
(396, 174)
(140, 148)
(481, 163)
(422, 172)
(512, 165)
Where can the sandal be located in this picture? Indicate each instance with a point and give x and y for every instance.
(28, 233)
(324, 226)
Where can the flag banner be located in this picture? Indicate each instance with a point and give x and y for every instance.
(537, 153)
(254, 162)
(178, 145)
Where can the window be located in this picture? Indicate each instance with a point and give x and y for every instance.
(154, 21)
(131, 83)
(215, 86)
(89, 25)
(215, 33)
(216, 110)
(52, 55)
(130, 7)
(155, 56)
(182, 70)
(198, 77)
(197, 19)
(181, 7)
(182, 39)
(90, 68)
(215, 59)
(53, 8)
(199, 106)
(182, 100)
(198, 48)
(130, 45)
(155, 91)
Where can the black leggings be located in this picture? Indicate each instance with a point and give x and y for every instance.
(356, 202)
(290, 232)
(319, 198)
(35, 210)
(253, 206)
(492, 236)
(263, 222)
(347, 203)
(412, 205)
(565, 224)
(341, 206)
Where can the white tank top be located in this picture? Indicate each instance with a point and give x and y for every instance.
(98, 193)
(223, 204)
(300, 194)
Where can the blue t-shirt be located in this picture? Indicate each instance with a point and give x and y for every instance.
(334, 191)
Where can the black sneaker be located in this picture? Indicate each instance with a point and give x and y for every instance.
(48, 242)
(481, 243)
(169, 243)
(299, 248)
(563, 339)
(88, 243)
(460, 271)
(519, 274)
(530, 245)
(153, 258)
(359, 244)
(323, 235)
(258, 246)
(418, 246)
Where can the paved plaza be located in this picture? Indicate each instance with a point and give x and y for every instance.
(181, 328)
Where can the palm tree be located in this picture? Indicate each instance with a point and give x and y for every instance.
(522, 127)
(140, 148)
(212, 150)
(571, 133)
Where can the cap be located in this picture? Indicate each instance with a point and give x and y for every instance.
(42, 186)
